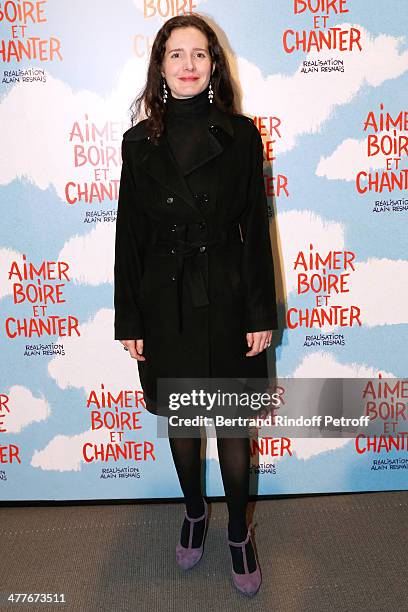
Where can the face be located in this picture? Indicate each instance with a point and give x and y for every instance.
(186, 63)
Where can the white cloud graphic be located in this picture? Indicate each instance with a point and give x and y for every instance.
(95, 358)
(325, 365)
(41, 152)
(350, 158)
(91, 256)
(65, 453)
(306, 448)
(323, 234)
(304, 102)
(90, 360)
(23, 409)
(379, 287)
(372, 285)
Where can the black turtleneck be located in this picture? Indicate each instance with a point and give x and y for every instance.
(186, 128)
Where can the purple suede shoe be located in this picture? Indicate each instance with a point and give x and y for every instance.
(189, 557)
(249, 582)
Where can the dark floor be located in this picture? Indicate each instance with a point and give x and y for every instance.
(317, 553)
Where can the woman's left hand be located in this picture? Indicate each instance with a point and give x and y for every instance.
(258, 341)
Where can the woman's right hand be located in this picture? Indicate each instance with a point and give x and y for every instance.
(135, 348)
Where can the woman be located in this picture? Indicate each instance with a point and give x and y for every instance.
(194, 279)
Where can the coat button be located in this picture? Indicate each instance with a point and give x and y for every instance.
(173, 250)
(173, 228)
(202, 249)
(170, 200)
(173, 278)
(213, 129)
(201, 197)
(201, 226)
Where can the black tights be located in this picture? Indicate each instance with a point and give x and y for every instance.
(234, 460)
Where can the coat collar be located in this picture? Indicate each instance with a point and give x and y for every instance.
(216, 119)
(158, 161)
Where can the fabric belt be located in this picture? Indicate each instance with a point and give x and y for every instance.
(192, 275)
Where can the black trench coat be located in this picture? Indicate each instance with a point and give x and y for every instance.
(193, 261)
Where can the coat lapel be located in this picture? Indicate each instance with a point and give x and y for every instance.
(159, 162)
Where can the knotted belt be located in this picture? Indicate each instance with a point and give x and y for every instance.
(181, 248)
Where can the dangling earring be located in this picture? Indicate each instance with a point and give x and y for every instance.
(210, 93)
(165, 92)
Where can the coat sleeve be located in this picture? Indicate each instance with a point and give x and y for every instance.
(130, 245)
(257, 260)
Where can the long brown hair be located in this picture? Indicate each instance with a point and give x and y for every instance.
(151, 98)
